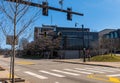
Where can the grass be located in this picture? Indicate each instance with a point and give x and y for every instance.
(106, 58)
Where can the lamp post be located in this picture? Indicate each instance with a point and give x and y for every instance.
(84, 57)
(88, 49)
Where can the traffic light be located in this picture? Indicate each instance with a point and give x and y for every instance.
(45, 34)
(45, 8)
(69, 14)
(16, 0)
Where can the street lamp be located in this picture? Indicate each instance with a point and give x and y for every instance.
(84, 57)
(88, 49)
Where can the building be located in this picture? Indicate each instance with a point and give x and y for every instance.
(103, 42)
(112, 40)
(72, 38)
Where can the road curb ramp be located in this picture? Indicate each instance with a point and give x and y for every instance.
(4, 77)
(104, 78)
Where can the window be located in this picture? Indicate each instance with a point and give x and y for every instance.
(112, 35)
(116, 35)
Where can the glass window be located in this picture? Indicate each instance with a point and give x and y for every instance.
(112, 35)
(116, 35)
(107, 36)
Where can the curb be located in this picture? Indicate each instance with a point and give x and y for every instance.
(86, 64)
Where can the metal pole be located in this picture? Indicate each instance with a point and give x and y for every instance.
(42, 6)
(13, 57)
(88, 47)
(11, 62)
(84, 60)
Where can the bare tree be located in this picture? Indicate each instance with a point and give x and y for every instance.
(43, 44)
(95, 47)
(16, 18)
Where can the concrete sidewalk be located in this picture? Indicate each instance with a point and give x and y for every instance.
(4, 74)
(80, 61)
(4, 78)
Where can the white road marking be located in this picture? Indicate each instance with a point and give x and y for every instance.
(58, 75)
(56, 82)
(66, 72)
(100, 69)
(89, 70)
(114, 75)
(112, 69)
(36, 75)
(78, 71)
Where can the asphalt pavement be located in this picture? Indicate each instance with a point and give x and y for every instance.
(64, 70)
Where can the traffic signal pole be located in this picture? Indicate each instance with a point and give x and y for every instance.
(84, 55)
(43, 6)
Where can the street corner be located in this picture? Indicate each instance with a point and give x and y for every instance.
(8, 75)
(4, 75)
(25, 63)
(102, 77)
(114, 80)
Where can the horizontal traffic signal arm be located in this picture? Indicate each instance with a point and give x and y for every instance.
(43, 6)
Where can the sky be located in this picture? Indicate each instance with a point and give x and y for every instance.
(98, 15)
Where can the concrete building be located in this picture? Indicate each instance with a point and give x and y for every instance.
(103, 43)
(72, 38)
(112, 40)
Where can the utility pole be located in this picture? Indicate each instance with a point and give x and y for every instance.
(84, 56)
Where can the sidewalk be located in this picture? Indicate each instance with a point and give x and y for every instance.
(80, 61)
(4, 74)
(4, 77)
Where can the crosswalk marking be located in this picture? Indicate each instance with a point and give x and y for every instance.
(66, 72)
(102, 70)
(114, 75)
(36, 75)
(58, 75)
(74, 72)
(78, 71)
(89, 70)
(112, 69)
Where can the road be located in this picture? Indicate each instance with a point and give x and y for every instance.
(47, 71)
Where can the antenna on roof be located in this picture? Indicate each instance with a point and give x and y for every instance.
(61, 3)
(76, 24)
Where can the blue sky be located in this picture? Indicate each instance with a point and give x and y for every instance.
(98, 15)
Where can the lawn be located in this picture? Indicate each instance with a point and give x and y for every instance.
(106, 58)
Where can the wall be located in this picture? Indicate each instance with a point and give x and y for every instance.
(69, 54)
